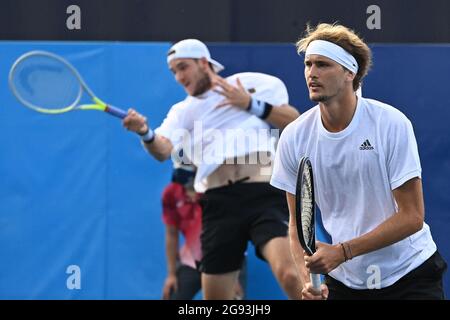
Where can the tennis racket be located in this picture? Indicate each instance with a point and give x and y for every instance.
(305, 211)
(47, 83)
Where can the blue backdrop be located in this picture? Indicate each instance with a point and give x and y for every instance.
(78, 192)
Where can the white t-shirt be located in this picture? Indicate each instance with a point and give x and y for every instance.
(355, 170)
(210, 135)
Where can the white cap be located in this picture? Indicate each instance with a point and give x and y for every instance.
(194, 49)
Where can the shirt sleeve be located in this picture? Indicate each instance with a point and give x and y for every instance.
(173, 127)
(284, 175)
(263, 87)
(402, 153)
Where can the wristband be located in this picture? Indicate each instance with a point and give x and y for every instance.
(259, 108)
(148, 136)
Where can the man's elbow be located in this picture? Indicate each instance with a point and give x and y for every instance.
(295, 114)
(417, 221)
(289, 116)
(158, 155)
(418, 225)
(161, 157)
(292, 115)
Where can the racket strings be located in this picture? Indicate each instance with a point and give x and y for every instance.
(307, 206)
(41, 81)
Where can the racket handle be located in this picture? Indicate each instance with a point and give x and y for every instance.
(117, 112)
(315, 280)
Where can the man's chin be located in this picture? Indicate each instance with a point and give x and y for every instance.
(318, 98)
(198, 92)
(190, 92)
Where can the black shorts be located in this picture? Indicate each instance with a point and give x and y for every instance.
(235, 214)
(422, 283)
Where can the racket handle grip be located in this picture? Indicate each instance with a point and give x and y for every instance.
(315, 280)
(117, 112)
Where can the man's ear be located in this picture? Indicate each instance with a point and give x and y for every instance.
(205, 65)
(350, 76)
(203, 62)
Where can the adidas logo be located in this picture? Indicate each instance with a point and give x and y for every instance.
(366, 146)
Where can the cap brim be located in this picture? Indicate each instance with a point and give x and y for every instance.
(216, 65)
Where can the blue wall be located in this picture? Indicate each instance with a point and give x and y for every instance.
(77, 189)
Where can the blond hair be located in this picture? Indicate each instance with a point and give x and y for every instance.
(345, 38)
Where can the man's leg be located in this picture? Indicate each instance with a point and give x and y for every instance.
(241, 285)
(277, 253)
(219, 286)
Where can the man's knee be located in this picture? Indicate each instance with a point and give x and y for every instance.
(286, 273)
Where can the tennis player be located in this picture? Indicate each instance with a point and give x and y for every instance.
(239, 204)
(367, 177)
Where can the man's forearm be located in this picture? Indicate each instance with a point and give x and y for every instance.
(281, 116)
(405, 222)
(394, 229)
(160, 148)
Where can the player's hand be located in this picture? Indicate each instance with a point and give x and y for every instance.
(135, 122)
(326, 258)
(170, 285)
(309, 293)
(234, 95)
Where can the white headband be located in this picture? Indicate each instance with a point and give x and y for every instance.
(334, 52)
